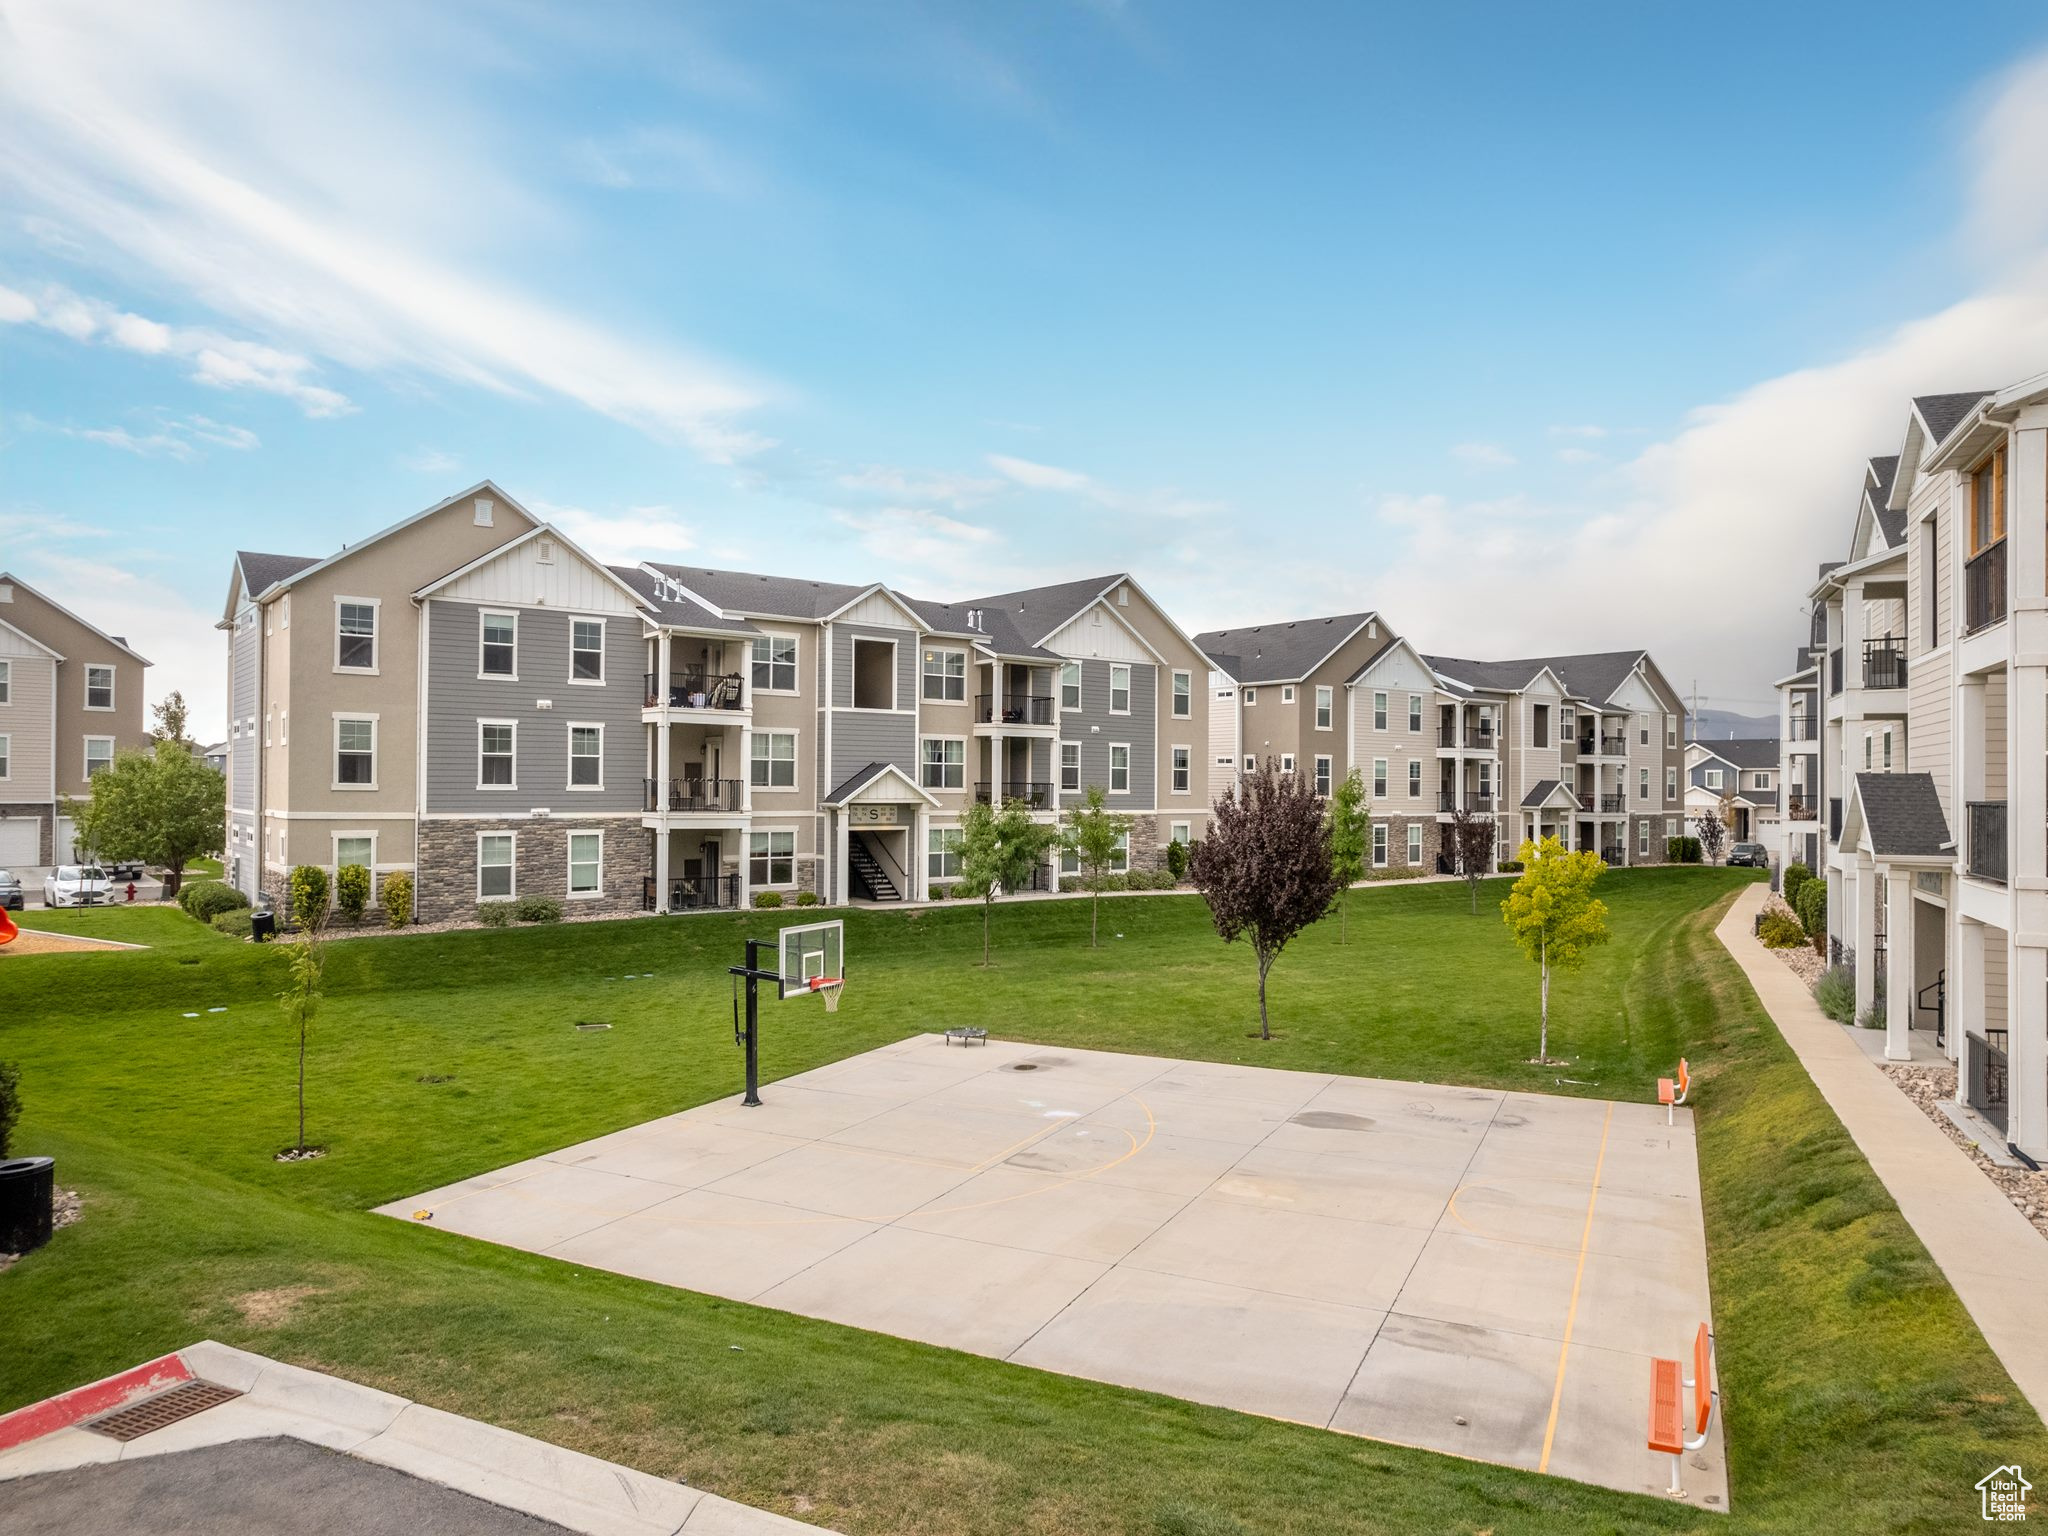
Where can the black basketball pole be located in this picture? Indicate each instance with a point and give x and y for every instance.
(750, 1038)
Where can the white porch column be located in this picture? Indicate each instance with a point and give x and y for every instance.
(2027, 1076)
(661, 652)
(1901, 948)
(746, 867)
(842, 880)
(1966, 993)
(1854, 622)
(1865, 919)
(660, 835)
(746, 768)
(917, 863)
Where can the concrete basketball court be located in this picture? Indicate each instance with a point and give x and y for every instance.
(1477, 1272)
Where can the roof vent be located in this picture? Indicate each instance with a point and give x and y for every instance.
(6, 592)
(484, 508)
(544, 551)
(1123, 597)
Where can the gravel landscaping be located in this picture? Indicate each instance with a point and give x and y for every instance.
(1928, 1087)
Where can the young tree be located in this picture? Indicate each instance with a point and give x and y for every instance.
(1350, 827)
(1554, 915)
(171, 717)
(300, 1001)
(1468, 839)
(165, 807)
(1713, 832)
(1265, 866)
(1093, 833)
(998, 851)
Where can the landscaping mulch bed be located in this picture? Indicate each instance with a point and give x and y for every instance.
(65, 1208)
(1805, 964)
(1928, 1086)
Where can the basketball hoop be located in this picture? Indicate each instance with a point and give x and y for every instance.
(829, 987)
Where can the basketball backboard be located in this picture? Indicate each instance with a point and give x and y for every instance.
(810, 952)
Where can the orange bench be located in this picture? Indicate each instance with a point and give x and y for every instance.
(1670, 1093)
(1668, 1382)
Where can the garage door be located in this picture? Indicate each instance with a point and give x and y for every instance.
(20, 843)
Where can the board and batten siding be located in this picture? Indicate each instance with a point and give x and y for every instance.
(1095, 728)
(457, 699)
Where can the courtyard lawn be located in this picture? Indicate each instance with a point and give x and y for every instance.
(1857, 1390)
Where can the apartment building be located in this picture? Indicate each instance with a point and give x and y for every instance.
(1738, 780)
(71, 696)
(1930, 681)
(502, 715)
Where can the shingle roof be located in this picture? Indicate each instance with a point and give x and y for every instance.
(1943, 413)
(1539, 792)
(1285, 652)
(1884, 470)
(1745, 752)
(997, 626)
(1902, 815)
(1035, 612)
(677, 614)
(1594, 675)
(747, 592)
(857, 781)
(262, 572)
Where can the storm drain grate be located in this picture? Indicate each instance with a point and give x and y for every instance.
(181, 1402)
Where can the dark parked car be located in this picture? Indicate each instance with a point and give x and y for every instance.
(1750, 855)
(11, 898)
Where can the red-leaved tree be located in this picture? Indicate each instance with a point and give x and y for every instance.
(1264, 866)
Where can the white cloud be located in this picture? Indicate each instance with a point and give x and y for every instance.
(431, 461)
(926, 551)
(1578, 431)
(1484, 455)
(956, 491)
(1578, 456)
(171, 437)
(625, 537)
(2010, 154)
(1165, 503)
(1042, 477)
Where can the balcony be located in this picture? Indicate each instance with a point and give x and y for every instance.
(1834, 672)
(1475, 800)
(1014, 709)
(1605, 746)
(1478, 738)
(1614, 805)
(695, 688)
(704, 893)
(1035, 793)
(1803, 728)
(1986, 839)
(1802, 810)
(685, 796)
(1884, 662)
(1984, 588)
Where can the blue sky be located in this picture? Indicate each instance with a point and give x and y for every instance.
(1534, 327)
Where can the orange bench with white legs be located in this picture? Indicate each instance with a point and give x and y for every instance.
(1668, 1382)
(1670, 1093)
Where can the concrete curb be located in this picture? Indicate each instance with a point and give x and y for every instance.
(583, 1493)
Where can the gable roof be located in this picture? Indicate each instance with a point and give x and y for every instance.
(757, 596)
(1942, 414)
(1465, 675)
(1287, 651)
(1749, 753)
(537, 531)
(8, 578)
(1877, 495)
(997, 631)
(31, 639)
(261, 572)
(673, 608)
(1901, 814)
(1549, 793)
(865, 775)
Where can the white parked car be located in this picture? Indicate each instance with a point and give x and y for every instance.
(75, 885)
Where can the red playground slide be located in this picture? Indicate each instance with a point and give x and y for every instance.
(7, 929)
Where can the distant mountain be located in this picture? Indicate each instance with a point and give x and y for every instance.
(1725, 724)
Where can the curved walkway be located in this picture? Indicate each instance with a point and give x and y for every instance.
(1996, 1261)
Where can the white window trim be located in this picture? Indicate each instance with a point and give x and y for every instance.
(6, 757)
(1381, 708)
(1415, 713)
(511, 866)
(1125, 668)
(113, 687)
(1174, 695)
(1287, 762)
(1414, 845)
(334, 842)
(1326, 774)
(603, 651)
(1251, 763)
(1643, 838)
(497, 613)
(1326, 706)
(1251, 695)
(1414, 778)
(1287, 694)
(1075, 748)
(1712, 778)
(6, 681)
(1670, 783)
(796, 758)
(1642, 784)
(939, 653)
(923, 763)
(771, 885)
(1380, 783)
(854, 643)
(1186, 769)
(940, 835)
(796, 660)
(1182, 832)
(1382, 845)
(376, 607)
(496, 788)
(1112, 789)
(1080, 688)
(569, 864)
(334, 748)
(569, 750)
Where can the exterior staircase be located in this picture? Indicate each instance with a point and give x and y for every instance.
(868, 872)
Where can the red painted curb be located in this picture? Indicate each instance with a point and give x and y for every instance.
(67, 1408)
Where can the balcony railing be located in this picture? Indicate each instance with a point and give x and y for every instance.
(1014, 708)
(1884, 662)
(1612, 746)
(1801, 810)
(1475, 799)
(694, 688)
(1834, 671)
(1033, 792)
(704, 893)
(1613, 805)
(1986, 842)
(1803, 728)
(1984, 588)
(1613, 855)
(694, 795)
(1475, 736)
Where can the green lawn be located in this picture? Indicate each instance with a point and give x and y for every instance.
(1858, 1393)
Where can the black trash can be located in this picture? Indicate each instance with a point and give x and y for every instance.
(28, 1190)
(262, 925)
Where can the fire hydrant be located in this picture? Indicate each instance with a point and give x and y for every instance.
(131, 892)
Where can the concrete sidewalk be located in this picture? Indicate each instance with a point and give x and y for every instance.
(1996, 1261)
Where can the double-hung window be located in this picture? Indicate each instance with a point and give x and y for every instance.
(775, 664)
(1379, 845)
(1119, 689)
(944, 763)
(586, 863)
(1713, 778)
(1183, 695)
(355, 751)
(586, 650)
(1642, 783)
(1670, 783)
(99, 687)
(1183, 763)
(500, 642)
(1379, 778)
(6, 682)
(1415, 778)
(359, 851)
(586, 757)
(1326, 707)
(494, 744)
(771, 858)
(945, 676)
(1322, 775)
(774, 764)
(1120, 855)
(494, 866)
(1070, 685)
(1379, 711)
(99, 754)
(1070, 765)
(6, 758)
(1119, 769)
(1414, 844)
(1415, 712)
(355, 635)
(942, 853)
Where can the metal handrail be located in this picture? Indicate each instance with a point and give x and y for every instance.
(1014, 708)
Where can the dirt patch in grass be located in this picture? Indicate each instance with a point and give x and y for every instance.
(33, 941)
(271, 1308)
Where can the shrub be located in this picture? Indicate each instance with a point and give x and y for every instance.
(767, 898)
(1508, 867)
(233, 923)
(537, 909)
(1836, 994)
(209, 898)
(807, 898)
(307, 886)
(1779, 929)
(351, 891)
(1796, 875)
(1177, 860)
(10, 1104)
(1682, 850)
(397, 899)
(494, 914)
(939, 893)
(1873, 1016)
(1812, 908)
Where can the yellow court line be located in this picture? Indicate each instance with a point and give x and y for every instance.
(1579, 1274)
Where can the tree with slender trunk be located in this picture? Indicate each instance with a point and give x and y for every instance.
(1265, 866)
(1468, 838)
(1712, 832)
(1350, 826)
(171, 716)
(300, 1001)
(1093, 834)
(1554, 915)
(999, 850)
(164, 807)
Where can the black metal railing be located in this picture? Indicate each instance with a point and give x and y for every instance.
(1984, 587)
(1834, 671)
(1939, 1007)
(1035, 793)
(1613, 805)
(694, 795)
(1801, 810)
(1475, 736)
(1614, 746)
(1987, 1073)
(1014, 708)
(1803, 728)
(695, 688)
(694, 893)
(1835, 819)
(1986, 839)
(1476, 800)
(1613, 856)
(1884, 662)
